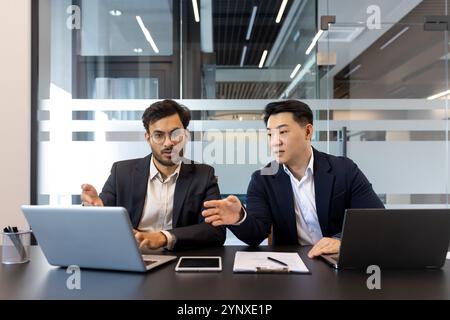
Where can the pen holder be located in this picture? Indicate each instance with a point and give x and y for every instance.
(16, 247)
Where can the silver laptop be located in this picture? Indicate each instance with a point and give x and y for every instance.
(89, 237)
(393, 238)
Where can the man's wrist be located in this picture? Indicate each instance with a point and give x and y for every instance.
(337, 236)
(242, 216)
(164, 240)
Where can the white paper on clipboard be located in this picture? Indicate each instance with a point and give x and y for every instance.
(245, 261)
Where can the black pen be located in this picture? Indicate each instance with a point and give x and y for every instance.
(278, 261)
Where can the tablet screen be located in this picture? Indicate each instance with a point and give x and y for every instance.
(199, 264)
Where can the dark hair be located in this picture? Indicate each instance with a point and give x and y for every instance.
(163, 109)
(300, 111)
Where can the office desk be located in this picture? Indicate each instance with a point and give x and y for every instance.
(38, 280)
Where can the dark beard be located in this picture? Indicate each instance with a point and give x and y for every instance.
(167, 163)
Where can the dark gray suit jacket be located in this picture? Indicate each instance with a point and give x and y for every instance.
(127, 187)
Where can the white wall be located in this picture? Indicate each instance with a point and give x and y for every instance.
(15, 97)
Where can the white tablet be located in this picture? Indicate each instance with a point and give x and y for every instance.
(198, 264)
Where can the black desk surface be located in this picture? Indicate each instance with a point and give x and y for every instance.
(38, 280)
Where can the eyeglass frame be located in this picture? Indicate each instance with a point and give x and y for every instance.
(169, 134)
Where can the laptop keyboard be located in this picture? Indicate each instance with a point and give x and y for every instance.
(149, 262)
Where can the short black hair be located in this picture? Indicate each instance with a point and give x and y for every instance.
(300, 111)
(163, 109)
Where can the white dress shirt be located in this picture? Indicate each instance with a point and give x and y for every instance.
(308, 226)
(158, 207)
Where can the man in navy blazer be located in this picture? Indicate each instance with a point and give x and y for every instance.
(163, 192)
(302, 196)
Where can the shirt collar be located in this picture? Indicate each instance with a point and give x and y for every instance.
(309, 169)
(155, 173)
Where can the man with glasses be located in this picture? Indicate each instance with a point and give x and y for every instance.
(163, 192)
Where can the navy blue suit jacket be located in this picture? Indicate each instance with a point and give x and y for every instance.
(339, 184)
(196, 183)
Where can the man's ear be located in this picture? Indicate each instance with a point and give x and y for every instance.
(147, 136)
(309, 131)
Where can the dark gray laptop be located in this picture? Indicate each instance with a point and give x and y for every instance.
(393, 238)
(89, 237)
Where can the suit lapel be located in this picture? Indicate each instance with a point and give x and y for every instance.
(323, 187)
(181, 189)
(139, 189)
(285, 201)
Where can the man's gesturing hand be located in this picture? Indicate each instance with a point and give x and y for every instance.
(89, 196)
(223, 212)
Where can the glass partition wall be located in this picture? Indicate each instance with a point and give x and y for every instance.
(385, 86)
(375, 74)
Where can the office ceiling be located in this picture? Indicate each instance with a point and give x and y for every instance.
(250, 90)
(415, 65)
(231, 19)
(106, 35)
(405, 62)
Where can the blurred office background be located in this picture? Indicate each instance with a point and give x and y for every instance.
(375, 73)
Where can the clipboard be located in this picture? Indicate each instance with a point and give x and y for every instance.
(272, 270)
(269, 262)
